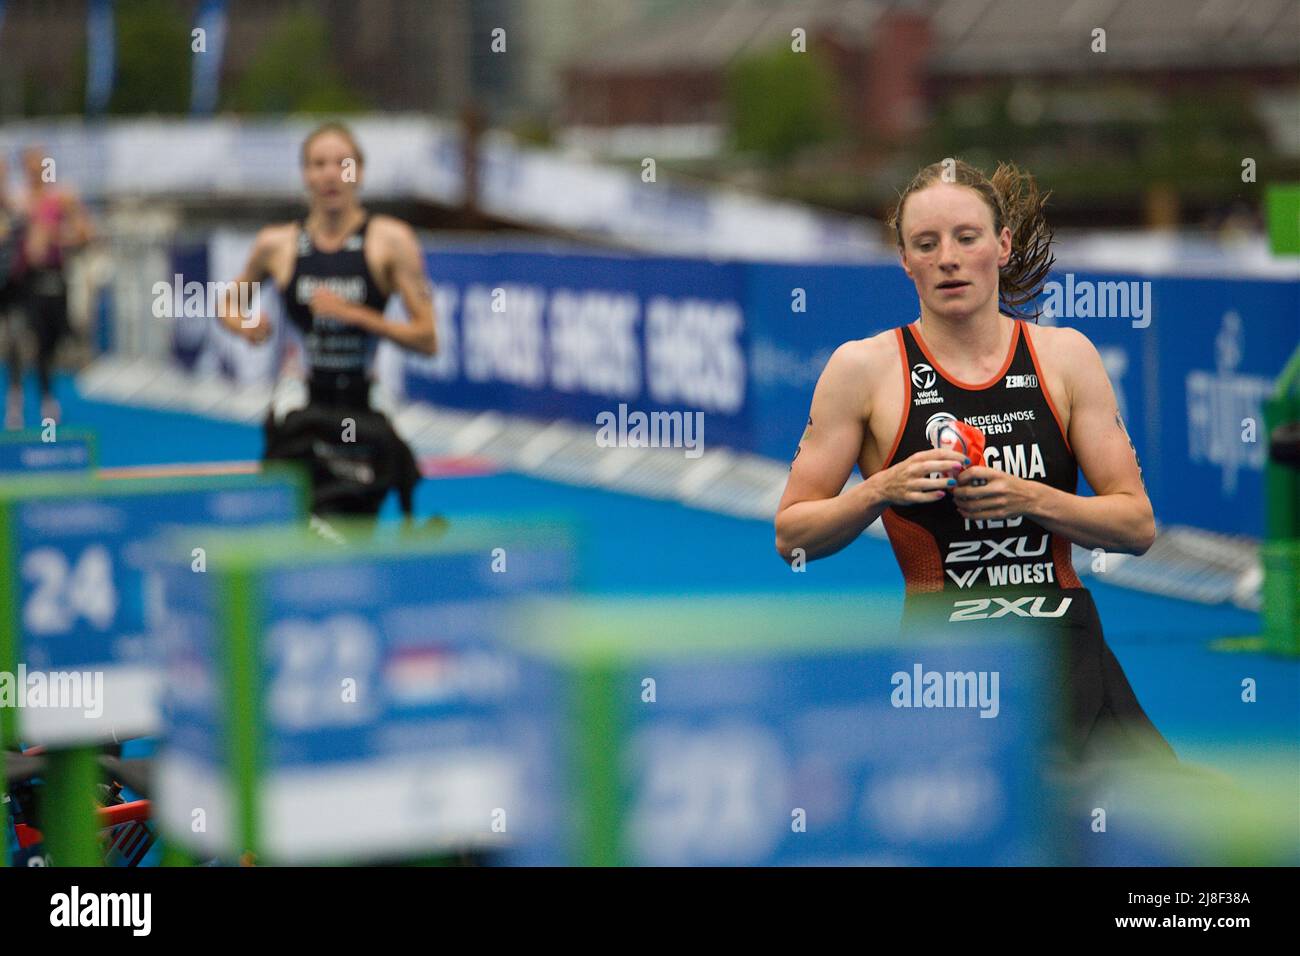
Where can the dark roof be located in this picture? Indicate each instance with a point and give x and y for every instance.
(975, 36)
(1019, 36)
(711, 34)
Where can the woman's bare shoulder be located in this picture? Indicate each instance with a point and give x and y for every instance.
(1060, 342)
(275, 239)
(868, 355)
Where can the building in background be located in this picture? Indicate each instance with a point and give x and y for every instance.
(1146, 131)
(670, 74)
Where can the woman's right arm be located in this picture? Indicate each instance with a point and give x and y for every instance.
(814, 516)
(255, 328)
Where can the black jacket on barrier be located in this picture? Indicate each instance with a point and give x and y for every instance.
(347, 477)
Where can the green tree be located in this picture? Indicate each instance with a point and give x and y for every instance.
(293, 71)
(1132, 140)
(781, 102)
(153, 58)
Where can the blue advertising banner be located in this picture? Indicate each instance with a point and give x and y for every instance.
(101, 55)
(1191, 361)
(762, 755)
(75, 565)
(25, 452)
(1221, 346)
(1126, 342)
(191, 324)
(548, 336)
(205, 76)
(798, 316)
(376, 696)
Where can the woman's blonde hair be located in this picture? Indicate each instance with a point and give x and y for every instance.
(341, 130)
(1013, 197)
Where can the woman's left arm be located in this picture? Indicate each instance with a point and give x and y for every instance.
(1118, 516)
(404, 267)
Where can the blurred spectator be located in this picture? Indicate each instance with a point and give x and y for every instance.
(57, 225)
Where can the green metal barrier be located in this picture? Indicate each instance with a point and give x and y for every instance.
(75, 603)
(1283, 205)
(776, 729)
(338, 700)
(1280, 551)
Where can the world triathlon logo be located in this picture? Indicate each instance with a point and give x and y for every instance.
(922, 376)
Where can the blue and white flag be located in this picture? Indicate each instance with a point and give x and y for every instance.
(205, 79)
(101, 44)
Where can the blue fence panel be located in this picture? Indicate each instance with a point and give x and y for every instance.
(789, 349)
(1222, 345)
(561, 336)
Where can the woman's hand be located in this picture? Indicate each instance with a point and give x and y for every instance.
(910, 482)
(984, 493)
(328, 305)
(258, 331)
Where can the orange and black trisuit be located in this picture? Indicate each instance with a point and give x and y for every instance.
(969, 573)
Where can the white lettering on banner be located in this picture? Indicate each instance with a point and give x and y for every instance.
(505, 346)
(1218, 401)
(307, 661)
(694, 354)
(593, 341)
(704, 795)
(63, 592)
(771, 363)
(933, 804)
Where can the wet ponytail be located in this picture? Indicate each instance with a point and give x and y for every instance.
(1015, 201)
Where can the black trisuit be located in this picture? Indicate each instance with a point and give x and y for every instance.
(969, 573)
(348, 476)
(337, 355)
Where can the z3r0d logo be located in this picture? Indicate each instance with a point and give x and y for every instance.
(923, 376)
(978, 609)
